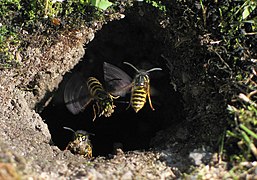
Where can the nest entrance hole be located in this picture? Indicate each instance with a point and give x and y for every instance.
(130, 39)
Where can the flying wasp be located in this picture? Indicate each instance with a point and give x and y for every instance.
(80, 144)
(139, 86)
(78, 94)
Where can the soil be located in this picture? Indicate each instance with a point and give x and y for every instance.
(180, 135)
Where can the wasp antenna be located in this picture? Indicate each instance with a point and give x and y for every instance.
(69, 129)
(154, 69)
(131, 66)
(91, 134)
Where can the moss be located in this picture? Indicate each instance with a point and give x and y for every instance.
(20, 19)
(236, 30)
(157, 4)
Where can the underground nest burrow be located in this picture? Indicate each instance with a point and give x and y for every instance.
(189, 107)
(129, 40)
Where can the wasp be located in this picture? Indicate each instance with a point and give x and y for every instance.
(80, 144)
(139, 86)
(79, 93)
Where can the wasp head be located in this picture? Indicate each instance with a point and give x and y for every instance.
(81, 136)
(141, 79)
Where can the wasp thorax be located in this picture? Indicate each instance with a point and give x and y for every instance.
(83, 148)
(106, 107)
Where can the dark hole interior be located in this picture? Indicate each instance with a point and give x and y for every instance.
(131, 39)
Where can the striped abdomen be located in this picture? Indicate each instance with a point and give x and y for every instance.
(96, 89)
(103, 100)
(138, 97)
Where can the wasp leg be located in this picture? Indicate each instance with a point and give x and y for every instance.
(99, 109)
(85, 105)
(68, 146)
(94, 112)
(149, 98)
(89, 149)
(128, 106)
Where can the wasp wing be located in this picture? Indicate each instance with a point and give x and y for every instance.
(117, 81)
(76, 94)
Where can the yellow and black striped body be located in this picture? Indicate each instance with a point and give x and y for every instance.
(103, 99)
(139, 87)
(81, 144)
(140, 91)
